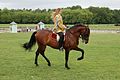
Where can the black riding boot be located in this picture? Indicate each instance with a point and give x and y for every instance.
(61, 40)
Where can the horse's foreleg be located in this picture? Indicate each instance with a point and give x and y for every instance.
(49, 64)
(36, 58)
(66, 58)
(79, 49)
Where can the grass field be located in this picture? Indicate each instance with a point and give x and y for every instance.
(101, 62)
(23, 25)
(104, 27)
(92, 26)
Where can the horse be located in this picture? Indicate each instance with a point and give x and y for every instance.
(47, 38)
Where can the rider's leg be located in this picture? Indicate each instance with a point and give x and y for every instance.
(61, 40)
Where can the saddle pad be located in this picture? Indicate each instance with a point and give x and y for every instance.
(54, 35)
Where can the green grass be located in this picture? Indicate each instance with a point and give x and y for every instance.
(92, 26)
(104, 27)
(101, 62)
(23, 25)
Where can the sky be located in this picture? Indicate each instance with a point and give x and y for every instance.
(52, 4)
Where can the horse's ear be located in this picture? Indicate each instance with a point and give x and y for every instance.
(87, 25)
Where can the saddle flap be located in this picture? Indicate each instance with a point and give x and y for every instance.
(55, 36)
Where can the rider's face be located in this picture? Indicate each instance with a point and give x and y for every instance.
(58, 11)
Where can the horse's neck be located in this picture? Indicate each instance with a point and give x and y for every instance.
(75, 32)
(73, 36)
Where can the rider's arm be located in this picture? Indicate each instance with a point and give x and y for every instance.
(59, 22)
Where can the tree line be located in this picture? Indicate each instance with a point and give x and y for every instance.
(71, 15)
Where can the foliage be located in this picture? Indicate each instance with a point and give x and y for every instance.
(71, 15)
(102, 15)
(116, 16)
(82, 16)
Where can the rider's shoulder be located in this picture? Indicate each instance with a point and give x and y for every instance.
(58, 15)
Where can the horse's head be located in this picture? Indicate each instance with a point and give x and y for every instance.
(81, 31)
(85, 32)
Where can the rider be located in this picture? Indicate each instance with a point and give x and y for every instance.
(59, 27)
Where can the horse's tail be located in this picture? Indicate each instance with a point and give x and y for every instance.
(32, 42)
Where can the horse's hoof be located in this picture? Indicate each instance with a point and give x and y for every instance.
(49, 64)
(36, 64)
(67, 67)
(80, 58)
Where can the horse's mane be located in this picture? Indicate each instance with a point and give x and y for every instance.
(71, 28)
(77, 25)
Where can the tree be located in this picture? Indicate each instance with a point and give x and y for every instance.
(116, 16)
(77, 16)
(101, 15)
(71, 15)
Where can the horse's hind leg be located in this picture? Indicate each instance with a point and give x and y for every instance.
(42, 50)
(79, 49)
(36, 57)
(49, 64)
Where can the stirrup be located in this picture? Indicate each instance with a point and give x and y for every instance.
(61, 48)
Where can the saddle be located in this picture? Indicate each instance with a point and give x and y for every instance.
(56, 36)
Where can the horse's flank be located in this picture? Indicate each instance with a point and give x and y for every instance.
(44, 37)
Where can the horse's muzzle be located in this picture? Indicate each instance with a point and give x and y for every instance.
(85, 41)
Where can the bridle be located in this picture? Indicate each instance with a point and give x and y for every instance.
(84, 37)
(82, 34)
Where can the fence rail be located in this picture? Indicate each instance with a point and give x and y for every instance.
(24, 29)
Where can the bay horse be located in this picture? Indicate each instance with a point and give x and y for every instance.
(45, 38)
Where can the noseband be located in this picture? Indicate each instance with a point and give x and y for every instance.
(86, 30)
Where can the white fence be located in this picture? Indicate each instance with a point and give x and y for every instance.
(19, 29)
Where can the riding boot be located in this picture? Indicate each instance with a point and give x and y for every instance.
(61, 46)
(61, 41)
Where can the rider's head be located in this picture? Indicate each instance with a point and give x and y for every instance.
(58, 10)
